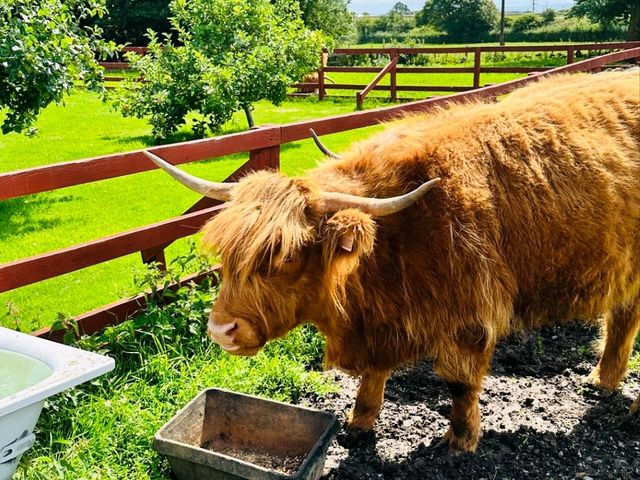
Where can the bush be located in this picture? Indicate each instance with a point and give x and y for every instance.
(548, 16)
(526, 22)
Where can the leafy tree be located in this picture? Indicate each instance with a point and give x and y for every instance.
(396, 20)
(548, 16)
(127, 21)
(401, 8)
(43, 50)
(233, 53)
(460, 19)
(611, 12)
(331, 17)
(526, 22)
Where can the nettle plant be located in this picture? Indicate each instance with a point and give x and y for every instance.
(45, 46)
(232, 54)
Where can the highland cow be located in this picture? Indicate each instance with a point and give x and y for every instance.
(532, 218)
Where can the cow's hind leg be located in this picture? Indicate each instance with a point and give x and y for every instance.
(621, 328)
(368, 400)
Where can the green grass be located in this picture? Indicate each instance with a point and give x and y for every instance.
(86, 127)
(103, 430)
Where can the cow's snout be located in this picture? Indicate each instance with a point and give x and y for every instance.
(235, 335)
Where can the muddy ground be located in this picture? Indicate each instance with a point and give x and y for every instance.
(540, 420)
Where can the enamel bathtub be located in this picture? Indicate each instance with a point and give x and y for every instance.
(31, 370)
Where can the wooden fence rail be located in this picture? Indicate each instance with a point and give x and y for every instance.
(263, 145)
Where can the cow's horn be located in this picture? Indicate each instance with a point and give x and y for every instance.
(322, 148)
(219, 191)
(378, 207)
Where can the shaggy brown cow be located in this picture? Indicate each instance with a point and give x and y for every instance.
(536, 219)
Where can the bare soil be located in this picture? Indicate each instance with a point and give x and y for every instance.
(539, 418)
(281, 463)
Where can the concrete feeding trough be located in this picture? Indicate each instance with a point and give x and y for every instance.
(222, 435)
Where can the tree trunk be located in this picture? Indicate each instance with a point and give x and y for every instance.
(634, 22)
(249, 115)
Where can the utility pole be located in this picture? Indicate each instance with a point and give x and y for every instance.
(533, 8)
(502, 23)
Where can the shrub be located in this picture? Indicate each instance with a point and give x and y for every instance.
(526, 22)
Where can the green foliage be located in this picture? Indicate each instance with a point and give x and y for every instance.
(462, 20)
(127, 21)
(526, 22)
(611, 12)
(233, 54)
(548, 16)
(332, 17)
(43, 50)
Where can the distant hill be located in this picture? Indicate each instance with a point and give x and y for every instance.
(378, 7)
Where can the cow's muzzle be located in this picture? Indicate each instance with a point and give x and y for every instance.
(234, 335)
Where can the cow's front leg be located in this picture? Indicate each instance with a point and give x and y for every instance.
(463, 376)
(464, 431)
(368, 400)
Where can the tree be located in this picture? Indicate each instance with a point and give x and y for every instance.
(610, 12)
(233, 53)
(127, 21)
(401, 8)
(396, 20)
(331, 17)
(548, 16)
(460, 19)
(43, 51)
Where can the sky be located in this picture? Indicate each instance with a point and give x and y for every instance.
(376, 7)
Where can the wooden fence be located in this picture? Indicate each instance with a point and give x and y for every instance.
(393, 70)
(263, 145)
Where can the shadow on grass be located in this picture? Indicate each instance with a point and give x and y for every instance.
(24, 215)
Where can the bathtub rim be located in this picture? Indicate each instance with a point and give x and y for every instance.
(71, 366)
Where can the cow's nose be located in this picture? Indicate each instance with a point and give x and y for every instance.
(222, 333)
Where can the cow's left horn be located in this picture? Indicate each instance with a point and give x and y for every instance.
(322, 148)
(378, 207)
(217, 190)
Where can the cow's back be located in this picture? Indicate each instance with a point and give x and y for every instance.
(538, 209)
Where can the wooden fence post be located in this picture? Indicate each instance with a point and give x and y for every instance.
(324, 57)
(477, 58)
(393, 81)
(265, 158)
(570, 54)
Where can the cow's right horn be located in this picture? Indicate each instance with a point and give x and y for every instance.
(378, 207)
(217, 190)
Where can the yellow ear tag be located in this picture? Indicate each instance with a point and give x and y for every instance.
(346, 241)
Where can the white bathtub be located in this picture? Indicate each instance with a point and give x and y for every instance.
(19, 411)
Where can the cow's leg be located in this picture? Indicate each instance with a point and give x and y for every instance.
(464, 380)
(635, 406)
(621, 328)
(368, 400)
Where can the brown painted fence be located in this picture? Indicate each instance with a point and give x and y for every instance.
(263, 145)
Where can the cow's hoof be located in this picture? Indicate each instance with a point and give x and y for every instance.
(354, 437)
(458, 445)
(601, 382)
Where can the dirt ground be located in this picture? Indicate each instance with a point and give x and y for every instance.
(539, 420)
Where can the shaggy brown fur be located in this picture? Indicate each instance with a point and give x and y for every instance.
(536, 220)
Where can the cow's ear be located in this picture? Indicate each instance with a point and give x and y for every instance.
(348, 235)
